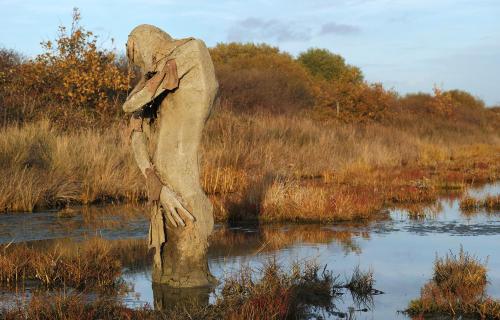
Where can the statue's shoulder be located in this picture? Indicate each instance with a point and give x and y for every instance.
(188, 46)
(191, 40)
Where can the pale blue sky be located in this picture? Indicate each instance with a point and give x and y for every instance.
(408, 45)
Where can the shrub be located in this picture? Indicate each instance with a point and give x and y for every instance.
(93, 265)
(72, 77)
(340, 90)
(261, 77)
(351, 103)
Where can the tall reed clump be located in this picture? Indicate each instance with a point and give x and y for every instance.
(43, 167)
(91, 265)
(458, 288)
(277, 294)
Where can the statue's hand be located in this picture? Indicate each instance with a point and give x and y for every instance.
(174, 208)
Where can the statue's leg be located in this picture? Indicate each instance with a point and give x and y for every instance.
(184, 257)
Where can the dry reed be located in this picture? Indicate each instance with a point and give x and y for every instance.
(458, 288)
(92, 264)
(283, 167)
(490, 203)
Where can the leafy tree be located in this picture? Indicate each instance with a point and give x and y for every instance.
(342, 93)
(329, 66)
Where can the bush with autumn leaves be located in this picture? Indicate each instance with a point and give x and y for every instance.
(74, 82)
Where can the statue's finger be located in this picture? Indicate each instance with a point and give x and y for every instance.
(178, 218)
(176, 215)
(168, 212)
(185, 212)
(171, 219)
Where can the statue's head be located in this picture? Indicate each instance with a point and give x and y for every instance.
(145, 46)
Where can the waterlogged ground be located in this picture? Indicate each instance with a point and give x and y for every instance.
(398, 247)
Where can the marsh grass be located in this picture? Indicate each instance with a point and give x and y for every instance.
(68, 306)
(458, 288)
(470, 204)
(43, 168)
(276, 294)
(361, 282)
(254, 167)
(94, 264)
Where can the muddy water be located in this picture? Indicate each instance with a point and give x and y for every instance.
(399, 249)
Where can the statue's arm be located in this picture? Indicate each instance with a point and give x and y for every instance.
(143, 95)
(148, 89)
(138, 86)
(139, 143)
(156, 189)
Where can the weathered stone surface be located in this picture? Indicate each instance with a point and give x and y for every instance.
(179, 81)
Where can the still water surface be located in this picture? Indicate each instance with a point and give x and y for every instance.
(400, 250)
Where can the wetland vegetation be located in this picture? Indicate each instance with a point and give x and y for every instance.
(457, 288)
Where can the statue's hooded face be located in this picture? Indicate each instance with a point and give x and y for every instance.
(147, 44)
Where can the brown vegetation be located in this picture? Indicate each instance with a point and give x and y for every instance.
(458, 288)
(69, 306)
(43, 168)
(73, 82)
(490, 203)
(250, 77)
(284, 168)
(277, 295)
(91, 264)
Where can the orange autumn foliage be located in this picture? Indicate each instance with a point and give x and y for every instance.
(72, 77)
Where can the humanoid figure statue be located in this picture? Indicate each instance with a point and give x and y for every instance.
(169, 107)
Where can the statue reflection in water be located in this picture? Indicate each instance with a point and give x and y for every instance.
(167, 298)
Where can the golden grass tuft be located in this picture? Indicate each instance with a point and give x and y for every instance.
(458, 288)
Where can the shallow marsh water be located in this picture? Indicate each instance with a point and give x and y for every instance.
(400, 250)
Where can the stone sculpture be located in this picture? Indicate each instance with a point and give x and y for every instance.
(170, 106)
